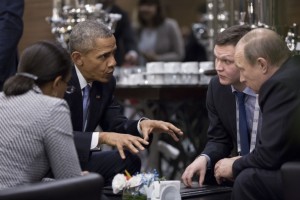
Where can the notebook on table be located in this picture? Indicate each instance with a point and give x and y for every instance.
(185, 192)
(195, 190)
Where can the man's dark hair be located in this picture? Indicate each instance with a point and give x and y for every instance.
(232, 35)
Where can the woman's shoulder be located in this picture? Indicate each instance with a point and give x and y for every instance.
(171, 22)
(44, 101)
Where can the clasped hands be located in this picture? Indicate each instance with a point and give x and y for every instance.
(223, 169)
(134, 143)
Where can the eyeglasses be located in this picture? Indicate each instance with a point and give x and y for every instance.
(70, 89)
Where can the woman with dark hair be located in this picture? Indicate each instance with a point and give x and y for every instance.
(159, 38)
(35, 126)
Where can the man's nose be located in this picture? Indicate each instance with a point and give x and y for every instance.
(242, 78)
(218, 65)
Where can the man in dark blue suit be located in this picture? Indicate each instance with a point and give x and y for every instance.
(266, 66)
(11, 29)
(92, 48)
(221, 104)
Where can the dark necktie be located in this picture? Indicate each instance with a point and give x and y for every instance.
(85, 105)
(243, 127)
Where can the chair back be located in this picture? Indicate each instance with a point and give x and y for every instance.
(291, 180)
(88, 187)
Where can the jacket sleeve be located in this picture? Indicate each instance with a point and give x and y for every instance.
(219, 143)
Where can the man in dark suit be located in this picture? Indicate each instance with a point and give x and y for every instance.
(126, 53)
(11, 29)
(222, 112)
(266, 66)
(92, 47)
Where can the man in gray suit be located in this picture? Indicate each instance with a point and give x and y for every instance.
(223, 137)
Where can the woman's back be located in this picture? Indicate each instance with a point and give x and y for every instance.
(35, 134)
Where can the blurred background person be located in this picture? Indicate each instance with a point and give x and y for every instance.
(159, 38)
(11, 30)
(195, 46)
(126, 53)
(35, 125)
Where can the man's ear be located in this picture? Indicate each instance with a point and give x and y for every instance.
(262, 64)
(77, 58)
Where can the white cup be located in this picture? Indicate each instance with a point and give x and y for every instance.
(136, 79)
(172, 79)
(207, 65)
(155, 67)
(190, 79)
(190, 67)
(155, 79)
(172, 67)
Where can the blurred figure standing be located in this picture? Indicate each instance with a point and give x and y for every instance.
(126, 53)
(11, 30)
(195, 47)
(159, 38)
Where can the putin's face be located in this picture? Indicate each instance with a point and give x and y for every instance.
(252, 75)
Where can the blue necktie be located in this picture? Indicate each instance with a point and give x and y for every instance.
(85, 105)
(243, 127)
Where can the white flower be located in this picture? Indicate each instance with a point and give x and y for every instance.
(118, 183)
(135, 181)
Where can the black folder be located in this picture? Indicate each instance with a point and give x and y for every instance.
(195, 190)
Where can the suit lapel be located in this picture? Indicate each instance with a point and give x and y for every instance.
(75, 102)
(232, 109)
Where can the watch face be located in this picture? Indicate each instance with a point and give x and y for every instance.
(170, 193)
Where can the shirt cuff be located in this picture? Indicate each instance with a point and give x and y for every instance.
(94, 143)
(208, 160)
(139, 127)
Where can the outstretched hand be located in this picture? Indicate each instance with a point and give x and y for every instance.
(123, 141)
(155, 126)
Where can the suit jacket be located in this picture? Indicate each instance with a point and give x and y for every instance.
(279, 98)
(11, 26)
(35, 135)
(222, 133)
(103, 111)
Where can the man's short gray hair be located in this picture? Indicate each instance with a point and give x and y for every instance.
(262, 42)
(84, 34)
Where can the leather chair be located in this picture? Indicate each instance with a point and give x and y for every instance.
(88, 187)
(291, 180)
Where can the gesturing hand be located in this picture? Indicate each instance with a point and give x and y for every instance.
(123, 141)
(156, 126)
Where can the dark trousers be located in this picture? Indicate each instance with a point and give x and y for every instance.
(110, 163)
(258, 184)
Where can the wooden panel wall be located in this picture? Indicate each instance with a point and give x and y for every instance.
(36, 28)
